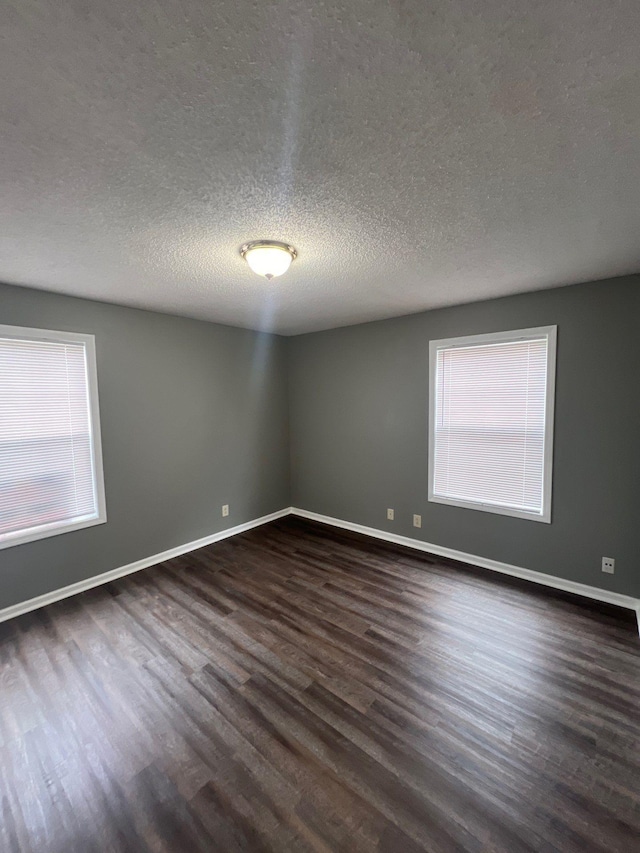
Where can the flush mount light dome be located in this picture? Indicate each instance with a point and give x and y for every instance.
(268, 258)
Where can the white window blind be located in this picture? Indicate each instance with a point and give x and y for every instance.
(491, 420)
(50, 463)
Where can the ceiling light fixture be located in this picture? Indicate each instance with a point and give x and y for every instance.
(268, 257)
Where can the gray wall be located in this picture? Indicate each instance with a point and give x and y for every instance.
(359, 399)
(193, 415)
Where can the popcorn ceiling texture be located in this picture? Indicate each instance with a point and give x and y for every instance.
(417, 154)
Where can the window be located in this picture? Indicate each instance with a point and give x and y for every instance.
(491, 422)
(50, 455)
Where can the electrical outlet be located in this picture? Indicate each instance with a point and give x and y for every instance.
(225, 510)
(417, 521)
(608, 565)
(390, 515)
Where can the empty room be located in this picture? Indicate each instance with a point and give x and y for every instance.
(319, 420)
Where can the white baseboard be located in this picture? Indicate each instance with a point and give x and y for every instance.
(484, 562)
(582, 589)
(105, 577)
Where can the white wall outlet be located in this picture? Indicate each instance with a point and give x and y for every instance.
(225, 510)
(417, 521)
(608, 565)
(390, 515)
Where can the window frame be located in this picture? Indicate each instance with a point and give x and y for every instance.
(55, 528)
(551, 334)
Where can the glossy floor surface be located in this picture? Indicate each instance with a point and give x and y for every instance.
(298, 688)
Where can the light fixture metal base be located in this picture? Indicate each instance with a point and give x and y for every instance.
(266, 244)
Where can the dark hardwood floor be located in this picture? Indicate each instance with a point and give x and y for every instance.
(298, 688)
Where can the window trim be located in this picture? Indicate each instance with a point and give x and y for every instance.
(551, 334)
(55, 528)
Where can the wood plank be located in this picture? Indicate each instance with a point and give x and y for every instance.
(300, 688)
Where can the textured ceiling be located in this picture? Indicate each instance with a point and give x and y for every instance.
(416, 153)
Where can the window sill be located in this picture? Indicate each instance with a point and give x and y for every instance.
(8, 540)
(493, 508)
